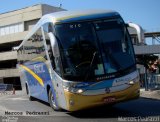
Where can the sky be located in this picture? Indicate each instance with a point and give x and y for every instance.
(143, 12)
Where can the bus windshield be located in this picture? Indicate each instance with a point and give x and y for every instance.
(93, 49)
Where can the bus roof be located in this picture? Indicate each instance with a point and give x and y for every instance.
(69, 16)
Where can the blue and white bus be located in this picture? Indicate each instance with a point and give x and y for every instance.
(79, 59)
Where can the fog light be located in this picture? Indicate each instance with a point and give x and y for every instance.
(71, 102)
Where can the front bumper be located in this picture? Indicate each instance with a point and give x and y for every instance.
(77, 101)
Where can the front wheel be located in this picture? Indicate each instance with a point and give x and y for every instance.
(52, 101)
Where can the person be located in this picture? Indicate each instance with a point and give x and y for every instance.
(153, 69)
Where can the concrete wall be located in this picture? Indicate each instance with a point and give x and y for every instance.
(9, 73)
(29, 24)
(8, 55)
(13, 37)
(28, 17)
(147, 49)
(25, 14)
(49, 9)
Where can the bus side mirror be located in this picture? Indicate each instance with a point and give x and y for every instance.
(139, 31)
(54, 45)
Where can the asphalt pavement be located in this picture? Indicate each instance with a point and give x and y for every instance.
(142, 109)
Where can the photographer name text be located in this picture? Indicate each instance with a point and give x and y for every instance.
(27, 113)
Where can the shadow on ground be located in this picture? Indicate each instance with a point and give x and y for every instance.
(137, 108)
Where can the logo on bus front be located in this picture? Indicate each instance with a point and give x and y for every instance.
(107, 90)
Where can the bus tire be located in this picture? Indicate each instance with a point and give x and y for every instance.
(31, 98)
(52, 101)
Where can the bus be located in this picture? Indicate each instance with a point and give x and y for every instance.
(79, 59)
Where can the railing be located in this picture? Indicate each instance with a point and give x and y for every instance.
(157, 80)
(13, 37)
(9, 73)
(6, 87)
(152, 81)
(151, 38)
(9, 55)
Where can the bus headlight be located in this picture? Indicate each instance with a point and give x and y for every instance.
(74, 87)
(79, 91)
(133, 81)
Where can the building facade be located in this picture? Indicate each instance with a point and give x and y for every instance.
(14, 26)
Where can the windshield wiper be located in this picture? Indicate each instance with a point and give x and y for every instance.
(90, 66)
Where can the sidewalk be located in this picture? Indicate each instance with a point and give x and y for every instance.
(9, 94)
(154, 94)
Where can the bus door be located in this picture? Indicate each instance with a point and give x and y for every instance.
(55, 67)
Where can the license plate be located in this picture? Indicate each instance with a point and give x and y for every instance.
(109, 99)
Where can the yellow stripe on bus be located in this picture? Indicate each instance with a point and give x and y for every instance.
(33, 74)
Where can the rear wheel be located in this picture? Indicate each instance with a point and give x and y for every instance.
(52, 101)
(31, 98)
